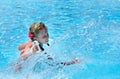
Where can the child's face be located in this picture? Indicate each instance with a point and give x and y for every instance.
(43, 36)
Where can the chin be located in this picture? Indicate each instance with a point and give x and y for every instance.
(46, 41)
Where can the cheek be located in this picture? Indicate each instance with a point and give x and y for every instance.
(39, 38)
(45, 36)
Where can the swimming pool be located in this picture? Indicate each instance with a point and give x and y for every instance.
(87, 29)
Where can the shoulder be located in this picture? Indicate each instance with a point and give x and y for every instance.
(29, 44)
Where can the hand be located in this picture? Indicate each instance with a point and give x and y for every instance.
(77, 60)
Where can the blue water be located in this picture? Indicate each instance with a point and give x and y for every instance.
(86, 29)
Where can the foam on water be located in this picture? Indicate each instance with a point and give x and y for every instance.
(86, 29)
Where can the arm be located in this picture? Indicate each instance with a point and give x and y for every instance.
(75, 61)
(27, 49)
(21, 47)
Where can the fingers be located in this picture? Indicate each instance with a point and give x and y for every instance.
(77, 60)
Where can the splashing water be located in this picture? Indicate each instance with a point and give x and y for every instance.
(84, 29)
(36, 67)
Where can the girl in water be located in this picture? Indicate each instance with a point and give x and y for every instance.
(38, 33)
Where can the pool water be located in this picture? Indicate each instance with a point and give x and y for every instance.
(84, 29)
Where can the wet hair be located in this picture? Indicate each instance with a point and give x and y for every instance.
(31, 32)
